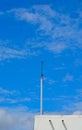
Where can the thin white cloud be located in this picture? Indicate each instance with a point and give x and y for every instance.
(10, 53)
(56, 25)
(24, 14)
(45, 10)
(60, 68)
(10, 100)
(34, 17)
(78, 62)
(63, 30)
(68, 77)
(79, 93)
(73, 107)
(56, 48)
(6, 96)
(77, 113)
(16, 120)
(50, 81)
(1, 13)
(6, 92)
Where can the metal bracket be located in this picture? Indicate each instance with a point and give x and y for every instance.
(51, 125)
(64, 124)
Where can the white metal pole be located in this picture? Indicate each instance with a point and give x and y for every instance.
(41, 90)
(41, 97)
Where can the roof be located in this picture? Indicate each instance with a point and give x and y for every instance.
(58, 122)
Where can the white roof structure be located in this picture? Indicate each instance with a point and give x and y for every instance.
(58, 122)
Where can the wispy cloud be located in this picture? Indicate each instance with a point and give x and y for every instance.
(68, 77)
(12, 96)
(1, 13)
(35, 15)
(6, 92)
(63, 30)
(10, 100)
(10, 53)
(50, 81)
(18, 119)
(75, 107)
(78, 62)
(56, 48)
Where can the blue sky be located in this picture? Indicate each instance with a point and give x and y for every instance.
(31, 32)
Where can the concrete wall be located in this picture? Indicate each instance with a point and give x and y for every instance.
(58, 122)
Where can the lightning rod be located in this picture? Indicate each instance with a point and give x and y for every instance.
(41, 89)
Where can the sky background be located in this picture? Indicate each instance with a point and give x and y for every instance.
(31, 32)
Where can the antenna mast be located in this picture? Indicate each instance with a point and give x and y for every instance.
(41, 89)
